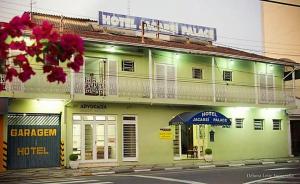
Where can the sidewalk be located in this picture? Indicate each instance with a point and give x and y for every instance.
(23, 174)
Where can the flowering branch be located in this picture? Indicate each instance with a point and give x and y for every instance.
(45, 46)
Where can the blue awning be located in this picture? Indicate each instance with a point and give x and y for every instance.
(196, 118)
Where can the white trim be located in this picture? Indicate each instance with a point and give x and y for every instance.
(213, 78)
(255, 83)
(130, 122)
(108, 75)
(150, 74)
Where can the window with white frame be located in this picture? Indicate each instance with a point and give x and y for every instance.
(258, 124)
(239, 122)
(227, 75)
(197, 73)
(129, 138)
(165, 81)
(128, 65)
(276, 124)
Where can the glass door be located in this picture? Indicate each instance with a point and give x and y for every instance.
(111, 141)
(88, 142)
(100, 141)
(95, 137)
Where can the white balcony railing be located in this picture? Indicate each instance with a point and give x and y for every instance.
(124, 86)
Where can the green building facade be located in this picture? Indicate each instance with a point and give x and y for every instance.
(117, 109)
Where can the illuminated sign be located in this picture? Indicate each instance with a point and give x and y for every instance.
(166, 27)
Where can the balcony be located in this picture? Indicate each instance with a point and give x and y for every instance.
(139, 90)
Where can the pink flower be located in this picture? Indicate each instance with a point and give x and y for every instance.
(43, 31)
(27, 72)
(47, 68)
(21, 45)
(57, 74)
(71, 43)
(10, 73)
(20, 60)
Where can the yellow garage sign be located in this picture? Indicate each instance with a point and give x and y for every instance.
(165, 133)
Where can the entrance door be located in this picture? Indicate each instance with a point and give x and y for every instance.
(188, 141)
(99, 137)
(295, 137)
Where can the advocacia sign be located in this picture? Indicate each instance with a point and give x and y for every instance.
(166, 27)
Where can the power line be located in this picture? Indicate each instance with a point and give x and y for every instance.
(241, 39)
(281, 3)
(93, 18)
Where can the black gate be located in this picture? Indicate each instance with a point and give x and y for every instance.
(33, 140)
(295, 136)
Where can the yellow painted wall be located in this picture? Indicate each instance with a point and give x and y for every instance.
(281, 26)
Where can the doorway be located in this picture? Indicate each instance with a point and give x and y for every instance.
(295, 137)
(95, 138)
(188, 141)
(95, 76)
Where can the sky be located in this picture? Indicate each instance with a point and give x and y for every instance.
(238, 22)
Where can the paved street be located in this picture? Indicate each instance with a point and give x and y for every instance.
(279, 173)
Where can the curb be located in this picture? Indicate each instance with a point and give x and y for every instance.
(131, 170)
(266, 163)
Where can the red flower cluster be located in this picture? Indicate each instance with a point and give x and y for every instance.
(48, 48)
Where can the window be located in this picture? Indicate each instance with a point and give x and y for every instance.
(258, 124)
(129, 138)
(165, 81)
(128, 65)
(239, 123)
(266, 88)
(227, 75)
(197, 73)
(276, 124)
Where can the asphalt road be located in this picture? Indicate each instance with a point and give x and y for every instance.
(279, 173)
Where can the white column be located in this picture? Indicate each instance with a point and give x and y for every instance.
(150, 74)
(293, 76)
(213, 78)
(255, 83)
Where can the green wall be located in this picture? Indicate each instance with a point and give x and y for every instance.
(230, 143)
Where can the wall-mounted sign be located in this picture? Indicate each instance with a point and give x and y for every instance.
(165, 133)
(93, 106)
(166, 27)
(33, 140)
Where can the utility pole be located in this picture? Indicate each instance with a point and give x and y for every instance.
(128, 7)
(31, 7)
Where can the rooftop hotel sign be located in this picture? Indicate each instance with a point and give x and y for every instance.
(166, 27)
